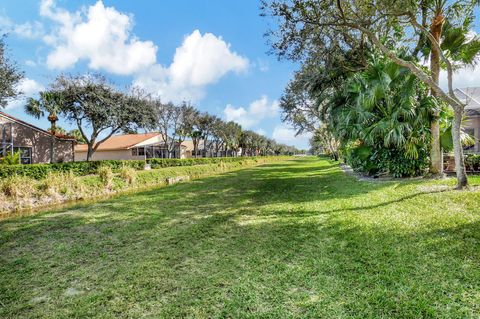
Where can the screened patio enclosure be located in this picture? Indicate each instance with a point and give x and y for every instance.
(155, 151)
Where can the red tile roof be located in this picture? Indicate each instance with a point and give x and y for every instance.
(119, 142)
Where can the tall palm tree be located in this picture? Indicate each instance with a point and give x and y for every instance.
(48, 102)
(436, 17)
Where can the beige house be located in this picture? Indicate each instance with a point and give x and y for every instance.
(189, 150)
(35, 144)
(130, 147)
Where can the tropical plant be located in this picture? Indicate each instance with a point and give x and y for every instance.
(49, 102)
(446, 141)
(385, 111)
(77, 135)
(11, 158)
(384, 25)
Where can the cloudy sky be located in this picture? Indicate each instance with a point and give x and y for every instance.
(211, 53)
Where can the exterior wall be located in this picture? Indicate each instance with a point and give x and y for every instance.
(40, 143)
(183, 152)
(108, 155)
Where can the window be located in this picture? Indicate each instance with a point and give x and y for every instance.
(25, 154)
(138, 151)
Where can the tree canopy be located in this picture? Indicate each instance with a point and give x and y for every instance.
(10, 76)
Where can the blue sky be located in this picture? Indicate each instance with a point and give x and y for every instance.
(210, 52)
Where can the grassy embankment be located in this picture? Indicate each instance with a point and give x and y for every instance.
(294, 239)
(22, 193)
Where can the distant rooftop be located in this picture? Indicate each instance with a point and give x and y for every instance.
(120, 142)
(471, 97)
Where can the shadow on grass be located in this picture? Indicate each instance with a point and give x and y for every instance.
(233, 246)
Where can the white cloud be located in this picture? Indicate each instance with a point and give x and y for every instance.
(256, 112)
(286, 135)
(29, 30)
(201, 60)
(100, 35)
(30, 63)
(263, 65)
(29, 88)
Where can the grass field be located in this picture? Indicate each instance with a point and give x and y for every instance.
(295, 239)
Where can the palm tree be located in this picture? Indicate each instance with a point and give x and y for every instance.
(384, 107)
(454, 42)
(49, 102)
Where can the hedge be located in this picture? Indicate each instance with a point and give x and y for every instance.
(472, 162)
(61, 188)
(40, 171)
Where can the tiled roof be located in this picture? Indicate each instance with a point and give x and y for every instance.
(471, 97)
(119, 142)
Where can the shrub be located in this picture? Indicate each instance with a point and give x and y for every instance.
(397, 164)
(376, 160)
(11, 159)
(472, 162)
(17, 186)
(106, 176)
(41, 171)
(58, 187)
(128, 174)
(60, 184)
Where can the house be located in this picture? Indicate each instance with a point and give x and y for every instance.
(471, 98)
(130, 147)
(189, 150)
(34, 144)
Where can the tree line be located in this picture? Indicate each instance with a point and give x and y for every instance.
(368, 86)
(99, 110)
(91, 101)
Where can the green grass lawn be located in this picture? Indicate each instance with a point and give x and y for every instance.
(294, 239)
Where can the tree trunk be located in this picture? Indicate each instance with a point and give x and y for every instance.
(52, 149)
(436, 159)
(89, 151)
(462, 180)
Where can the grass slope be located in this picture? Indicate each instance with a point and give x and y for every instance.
(296, 239)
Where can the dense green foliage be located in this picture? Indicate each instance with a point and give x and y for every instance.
(296, 239)
(11, 159)
(472, 162)
(333, 41)
(381, 118)
(40, 171)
